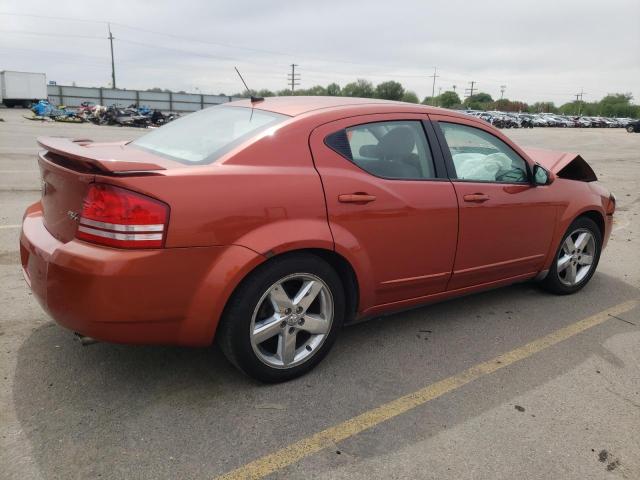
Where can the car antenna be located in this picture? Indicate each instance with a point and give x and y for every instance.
(253, 99)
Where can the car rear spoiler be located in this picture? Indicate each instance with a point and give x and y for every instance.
(76, 151)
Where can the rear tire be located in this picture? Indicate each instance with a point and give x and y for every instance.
(283, 318)
(630, 129)
(577, 258)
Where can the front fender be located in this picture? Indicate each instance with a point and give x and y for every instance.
(584, 197)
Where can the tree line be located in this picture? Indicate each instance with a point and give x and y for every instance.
(612, 105)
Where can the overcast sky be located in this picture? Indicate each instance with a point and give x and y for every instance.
(541, 50)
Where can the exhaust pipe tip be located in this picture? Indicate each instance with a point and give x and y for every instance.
(84, 340)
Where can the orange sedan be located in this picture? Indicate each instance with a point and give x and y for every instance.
(267, 224)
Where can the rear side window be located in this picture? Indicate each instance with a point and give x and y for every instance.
(395, 150)
(479, 156)
(205, 136)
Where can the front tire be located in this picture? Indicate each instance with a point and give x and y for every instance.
(630, 129)
(577, 258)
(283, 319)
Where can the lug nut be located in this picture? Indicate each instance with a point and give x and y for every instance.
(287, 311)
(283, 324)
(291, 330)
(301, 321)
(299, 310)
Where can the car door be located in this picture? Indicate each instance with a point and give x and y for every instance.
(391, 209)
(506, 222)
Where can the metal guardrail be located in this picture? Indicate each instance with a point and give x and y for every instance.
(73, 96)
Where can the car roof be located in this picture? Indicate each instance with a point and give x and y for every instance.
(298, 105)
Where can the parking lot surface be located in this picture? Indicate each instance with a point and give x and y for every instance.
(511, 383)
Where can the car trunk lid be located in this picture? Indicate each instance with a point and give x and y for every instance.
(67, 167)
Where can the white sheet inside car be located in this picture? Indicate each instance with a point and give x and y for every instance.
(477, 166)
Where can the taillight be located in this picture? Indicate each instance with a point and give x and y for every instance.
(118, 217)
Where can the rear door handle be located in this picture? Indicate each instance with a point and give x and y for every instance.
(476, 197)
(356, 198)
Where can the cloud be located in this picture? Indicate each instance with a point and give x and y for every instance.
(541, 50)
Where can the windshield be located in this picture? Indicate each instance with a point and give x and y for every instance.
(204, 136)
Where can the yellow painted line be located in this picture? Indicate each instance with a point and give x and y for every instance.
(9, 226)
(327, 438)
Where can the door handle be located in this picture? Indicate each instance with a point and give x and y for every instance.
(356, 198)
(476, 197)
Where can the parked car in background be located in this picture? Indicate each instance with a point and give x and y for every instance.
(609, 122)
(269, 224)
(526, 120)
(583, 122)
(624, 121)
(519, 120)
(633, 126)
(539, 121)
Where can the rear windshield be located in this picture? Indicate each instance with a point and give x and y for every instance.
(203, 137)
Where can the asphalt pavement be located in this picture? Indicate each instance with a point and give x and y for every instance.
(413, 395)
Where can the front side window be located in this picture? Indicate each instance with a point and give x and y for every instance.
(394, 149)
(479, 156)
(205, 136)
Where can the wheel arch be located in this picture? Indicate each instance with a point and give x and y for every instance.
(347, 275)
(598, 219)
(588, 212)
(339, 263)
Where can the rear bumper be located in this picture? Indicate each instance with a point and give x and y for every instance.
(165, 296)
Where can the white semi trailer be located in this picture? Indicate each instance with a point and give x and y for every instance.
(22, 88)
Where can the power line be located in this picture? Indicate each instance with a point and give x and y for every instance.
(192, 39)
(45, 34)
(179, 50)
(48, 17)
(207, 55)
(191, 52)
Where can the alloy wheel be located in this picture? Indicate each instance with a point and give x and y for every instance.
(291, 320)
(576, 257)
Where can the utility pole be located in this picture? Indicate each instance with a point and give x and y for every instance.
(293, 77)
(502, 89)
(113, 65)
(579, 100)
(433, 88)
(469, 91)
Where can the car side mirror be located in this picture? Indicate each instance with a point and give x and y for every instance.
(542, 176)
